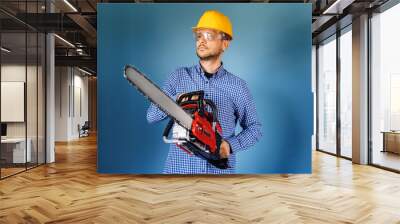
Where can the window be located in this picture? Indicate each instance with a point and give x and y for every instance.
(346, 92)
(327, 95)
(385, 88)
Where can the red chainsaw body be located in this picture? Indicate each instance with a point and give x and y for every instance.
(205, 135)
(203, 131)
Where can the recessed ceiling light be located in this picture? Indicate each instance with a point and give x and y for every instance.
(70, 5)
(5, 50)
(65, 41)
(338, 6)
(84, 71)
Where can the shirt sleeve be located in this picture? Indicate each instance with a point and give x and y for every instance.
(154, 114)
(248, 120)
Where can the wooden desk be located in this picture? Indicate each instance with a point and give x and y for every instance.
(391, 141)
(13, 150)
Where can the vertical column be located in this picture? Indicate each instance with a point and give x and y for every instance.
(314, 92)
(360, 90)
(50, 92)
(338, 98)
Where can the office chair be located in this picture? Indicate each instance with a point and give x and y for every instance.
(84, 130)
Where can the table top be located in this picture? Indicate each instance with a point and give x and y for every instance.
(13, 140)
(391, 132)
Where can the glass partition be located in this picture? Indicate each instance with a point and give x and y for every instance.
(22, 89)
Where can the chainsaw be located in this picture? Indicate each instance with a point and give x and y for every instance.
(194, 122)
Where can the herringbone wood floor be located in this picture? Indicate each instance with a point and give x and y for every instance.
(70, 191)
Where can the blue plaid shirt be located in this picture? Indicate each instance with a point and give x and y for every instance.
(235, 104)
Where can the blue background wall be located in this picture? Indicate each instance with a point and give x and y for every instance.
(271, 50)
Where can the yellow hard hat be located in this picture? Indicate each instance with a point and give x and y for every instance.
(213, 19)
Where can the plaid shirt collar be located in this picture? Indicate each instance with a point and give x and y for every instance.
(220, 72)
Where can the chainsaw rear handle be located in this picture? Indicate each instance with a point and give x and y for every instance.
(167, 129)
(166, 132)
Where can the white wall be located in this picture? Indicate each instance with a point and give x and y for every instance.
(80, 109)
(61, 103)
(71, 92)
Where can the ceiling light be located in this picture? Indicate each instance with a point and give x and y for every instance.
(338, 6)
(70, 5)
(5, 50)
(331, 7)
(84, 71)
(64, 40)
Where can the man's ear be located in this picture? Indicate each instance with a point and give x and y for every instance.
(225, 44)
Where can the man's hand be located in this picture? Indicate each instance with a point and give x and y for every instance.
(225, 149)
(177, 96)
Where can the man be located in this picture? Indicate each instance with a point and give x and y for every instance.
(213, 34)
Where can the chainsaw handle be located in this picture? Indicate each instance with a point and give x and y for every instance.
(214, 109)
(166, 132)
(221, 163)
(168, 129)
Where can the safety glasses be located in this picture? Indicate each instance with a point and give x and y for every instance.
(208, 36)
